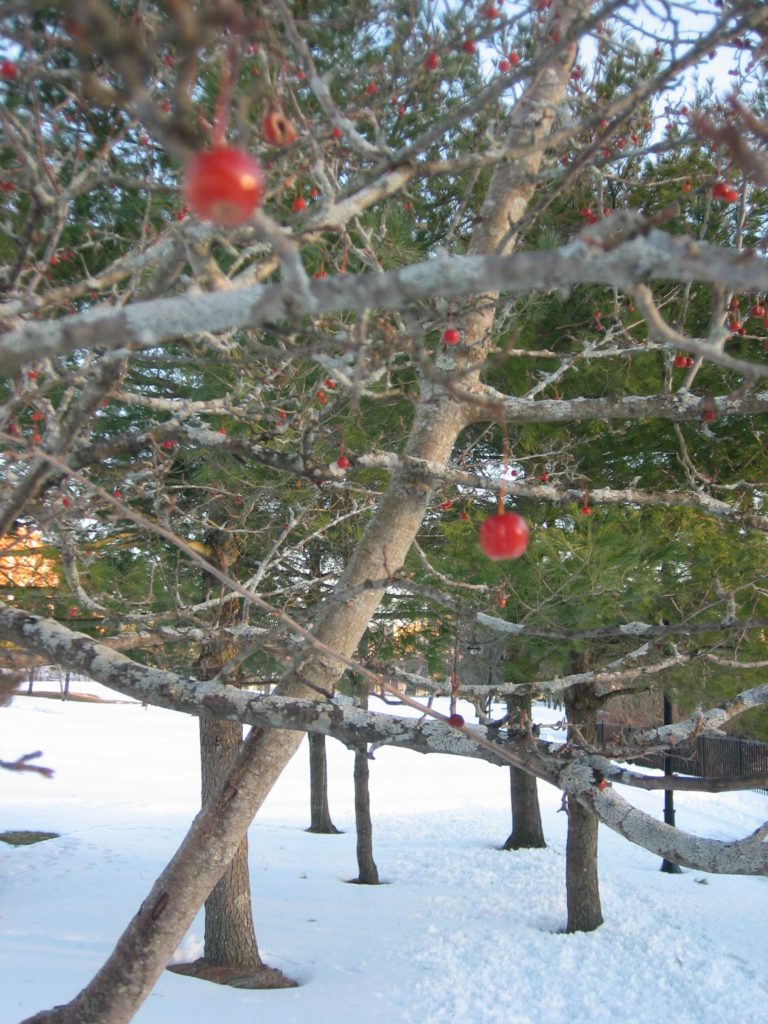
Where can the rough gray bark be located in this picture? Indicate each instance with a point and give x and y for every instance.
(147, 324)
(581, 877)
(319, 811)
(367, 872)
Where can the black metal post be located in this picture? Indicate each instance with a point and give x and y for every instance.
(669, 796)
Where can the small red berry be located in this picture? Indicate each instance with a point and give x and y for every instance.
(117, 494)
(722, 190)
(469, 46)
(544, 477)
(336, 132)
(299, 204)
(456, 721)
(321, 397)
(504, 66)
(501, 601)
(687, 186)
(314, 192)
(8, 70)
(586, 510)
(277, 129)
(432, 61)
(463, 516)
(342, 462)
(491, 12)
(169, 445)
(446, 506)
(708, 416)
(223, 185)
(514, 57)
(451, 336)
(757, 310)
(504, 536)
(681, 360)
(66, 502)
(371, 89)
(329, 383)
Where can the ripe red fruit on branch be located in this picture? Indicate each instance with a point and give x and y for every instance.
(504, 536)
(277, 129)
(457, 721)
(722, 190)
(342, 462)
(681, 360)
(451, 336)
(299, 204)
(758, 310)
(469, 46)
(432, 61)
(446, 506)
(8, 70)
(223, 185)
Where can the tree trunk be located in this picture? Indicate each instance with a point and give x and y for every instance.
(527, 832)
(139, 957)
(230, 951)
(319, 812)
(368, 873)
(230, 937)
(581, 877)
(668, 866)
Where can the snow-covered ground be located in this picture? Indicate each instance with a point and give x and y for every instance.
(462, 933)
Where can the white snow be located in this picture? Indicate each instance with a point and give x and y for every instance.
(461, 934)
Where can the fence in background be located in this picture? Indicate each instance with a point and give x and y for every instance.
(711, 757)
